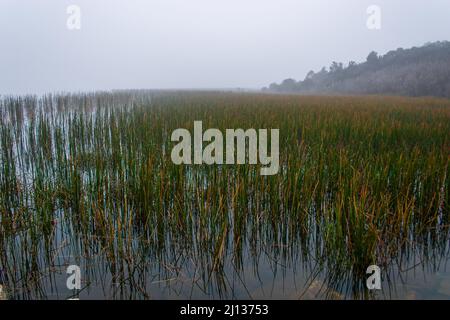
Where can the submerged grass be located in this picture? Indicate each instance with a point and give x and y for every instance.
(363, 180)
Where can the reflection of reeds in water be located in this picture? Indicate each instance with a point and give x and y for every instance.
(363, 180)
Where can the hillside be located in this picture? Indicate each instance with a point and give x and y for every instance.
(418, 71)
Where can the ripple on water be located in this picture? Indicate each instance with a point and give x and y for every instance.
(444, 287)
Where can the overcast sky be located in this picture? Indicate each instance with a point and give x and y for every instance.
(198, 43)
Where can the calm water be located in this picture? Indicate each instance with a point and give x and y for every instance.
(266, 272)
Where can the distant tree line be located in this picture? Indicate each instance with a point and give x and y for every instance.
(419, 71)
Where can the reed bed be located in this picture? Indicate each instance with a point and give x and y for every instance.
(363, 180)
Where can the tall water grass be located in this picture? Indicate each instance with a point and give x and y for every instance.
(363, 180)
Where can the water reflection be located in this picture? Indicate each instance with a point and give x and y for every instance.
(266, 271)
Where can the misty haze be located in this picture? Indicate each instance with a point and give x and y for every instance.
(169, 149)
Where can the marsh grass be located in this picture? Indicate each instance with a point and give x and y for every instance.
(363, 180)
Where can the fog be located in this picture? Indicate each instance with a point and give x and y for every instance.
(197, 43)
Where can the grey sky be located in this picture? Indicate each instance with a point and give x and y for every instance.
(198, 43)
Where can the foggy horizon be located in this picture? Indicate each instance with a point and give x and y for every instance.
(197, 45)
(222, 158)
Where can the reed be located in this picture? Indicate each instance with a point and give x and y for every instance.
(363, 180)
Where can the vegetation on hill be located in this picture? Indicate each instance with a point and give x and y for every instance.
(419, 71)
